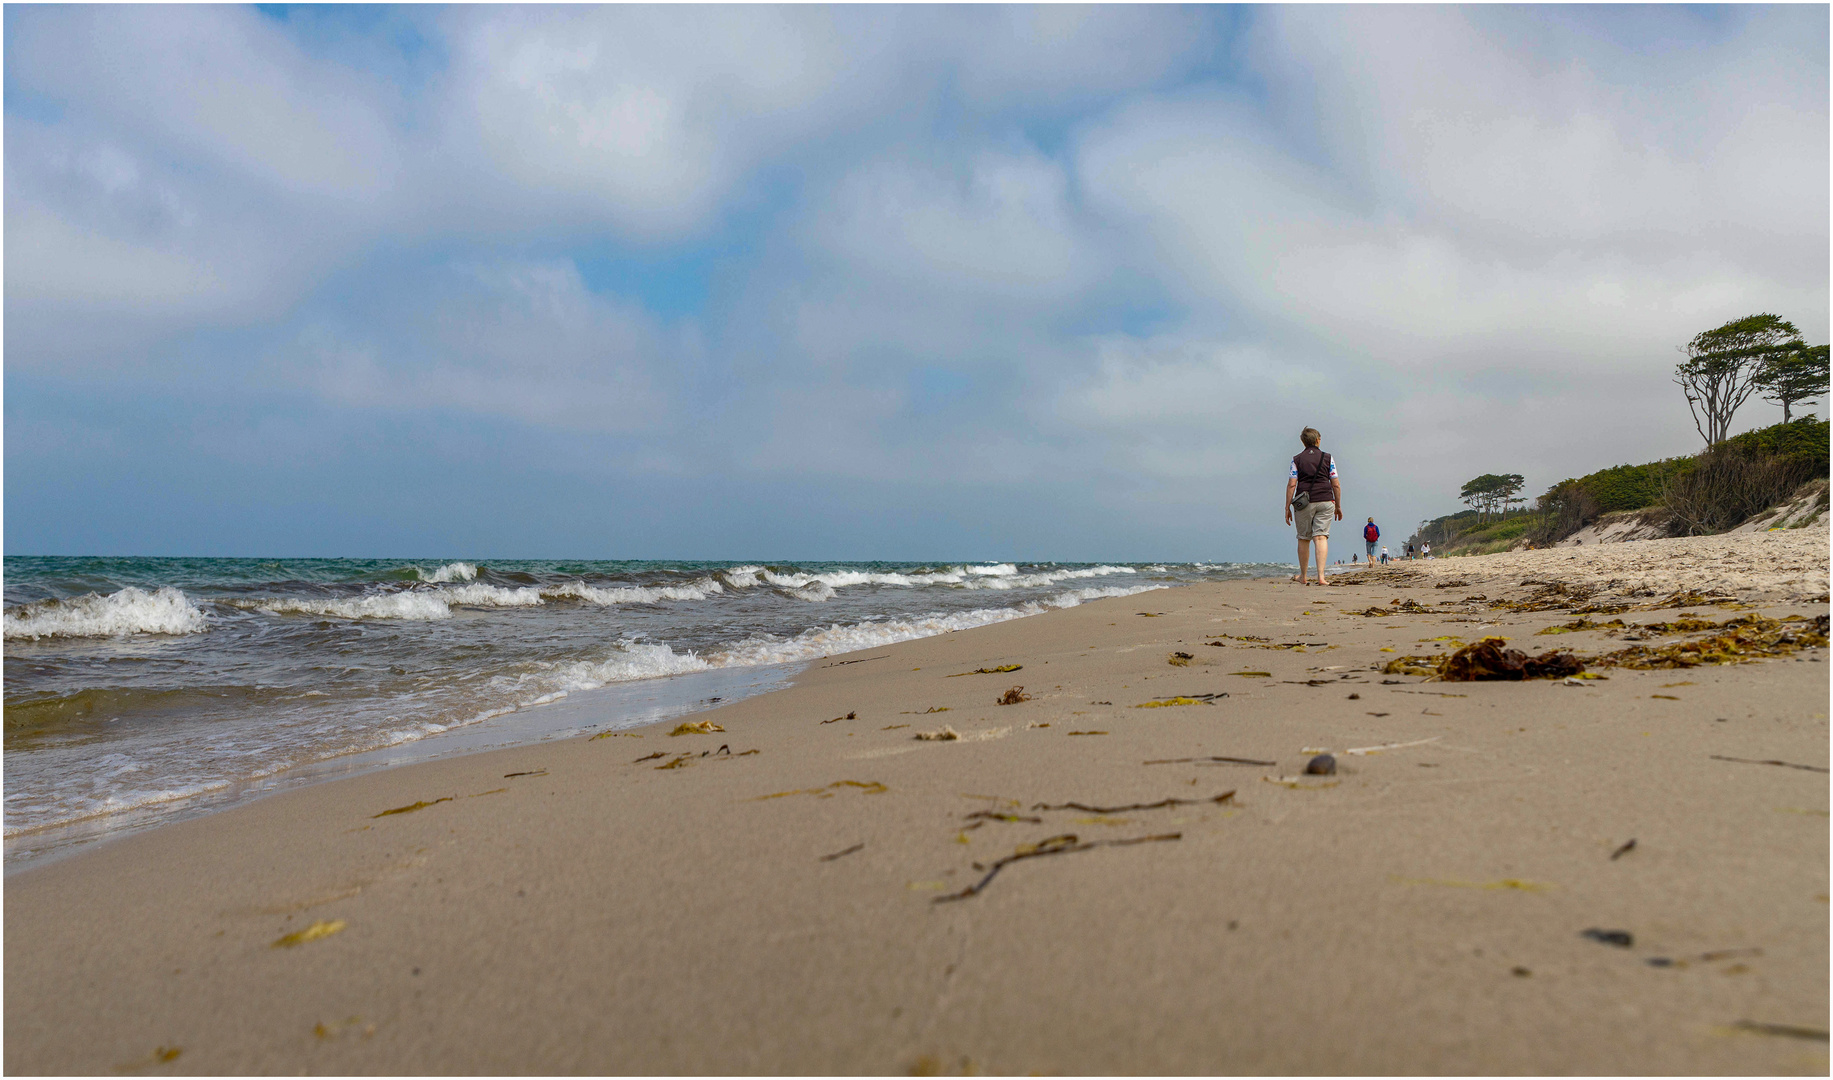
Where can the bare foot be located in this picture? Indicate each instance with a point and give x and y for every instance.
(1298, 579)
(1322, 581)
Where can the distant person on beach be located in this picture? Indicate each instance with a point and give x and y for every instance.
(1315, 496)
(1384, 556)
(1426, 550)
(1371, 533)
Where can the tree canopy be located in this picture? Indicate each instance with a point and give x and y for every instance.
(1797, 374)
(1721, 368)
(1491, 491)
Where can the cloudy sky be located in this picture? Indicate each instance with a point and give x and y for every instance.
(899, 283)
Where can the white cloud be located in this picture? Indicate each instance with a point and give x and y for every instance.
(221, 82)
(519, 339)
(1472, 204)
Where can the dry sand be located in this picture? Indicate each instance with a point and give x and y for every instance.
(576, 908)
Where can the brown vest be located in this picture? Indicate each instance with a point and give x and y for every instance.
(1313, 467)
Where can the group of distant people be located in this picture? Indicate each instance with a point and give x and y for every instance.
(1314, 498)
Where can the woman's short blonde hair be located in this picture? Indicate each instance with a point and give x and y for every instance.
(1310, 436)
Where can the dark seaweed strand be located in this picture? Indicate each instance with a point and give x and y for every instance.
(1160, 805)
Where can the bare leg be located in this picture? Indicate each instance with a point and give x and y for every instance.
(1323, 557)
(1304, 555)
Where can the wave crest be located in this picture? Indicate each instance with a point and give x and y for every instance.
(491, 596)
(453, 571)
(414, 604)
(131, 611)
(633, 594)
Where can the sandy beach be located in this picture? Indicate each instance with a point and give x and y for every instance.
(810, 888)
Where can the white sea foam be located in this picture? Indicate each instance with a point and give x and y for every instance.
(491, 596)
(456, 571)
(633, 594)
(130, 611)
(423, 605)
(1001, 576)
(636, 660)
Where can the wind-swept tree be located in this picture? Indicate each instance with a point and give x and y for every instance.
(1721, 367)
(1798, 374)
(1488, 492)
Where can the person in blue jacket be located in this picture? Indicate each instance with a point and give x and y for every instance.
(1371, 534)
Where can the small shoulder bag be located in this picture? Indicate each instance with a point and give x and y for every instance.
(1303, 498)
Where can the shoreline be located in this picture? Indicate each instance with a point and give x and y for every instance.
(646, 903)
(90, 789)
(577, 714)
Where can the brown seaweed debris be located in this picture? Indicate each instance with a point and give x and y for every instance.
(1770, 761)
(1786, 1030)
(1055, 845)
(1208, 760)
(1226, 796)
(947, 734)
(1397, 607)
(835, 720)
(1013, 696)
(1489, 660)
(1180, 659)
(1550, 596)
(842, 854)
(1739, 640)
(981, 817)
(1583, 624)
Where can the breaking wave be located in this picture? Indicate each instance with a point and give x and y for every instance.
(457, 571)
(131, 611)
(632, 594)
(415, 604)
(648, 661)
(490, 596)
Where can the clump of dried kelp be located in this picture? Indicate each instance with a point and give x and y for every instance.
(1486, 661)
(1408, 606)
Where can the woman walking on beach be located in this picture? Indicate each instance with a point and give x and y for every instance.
(1316, 496)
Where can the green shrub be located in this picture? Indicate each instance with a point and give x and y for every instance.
(1806, 437)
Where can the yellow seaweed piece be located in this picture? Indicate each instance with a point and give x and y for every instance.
(1671, 685)
(411, 807)
(988, 670)
(1665, 697)
(1253, 674)
(320, 929)
(868, 787)
(704, 727)
(681, 762)
(614, 735)
(1178, 700)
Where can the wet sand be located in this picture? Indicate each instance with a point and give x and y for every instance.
(578, 907)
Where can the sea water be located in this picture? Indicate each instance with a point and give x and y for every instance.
(138, 690)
